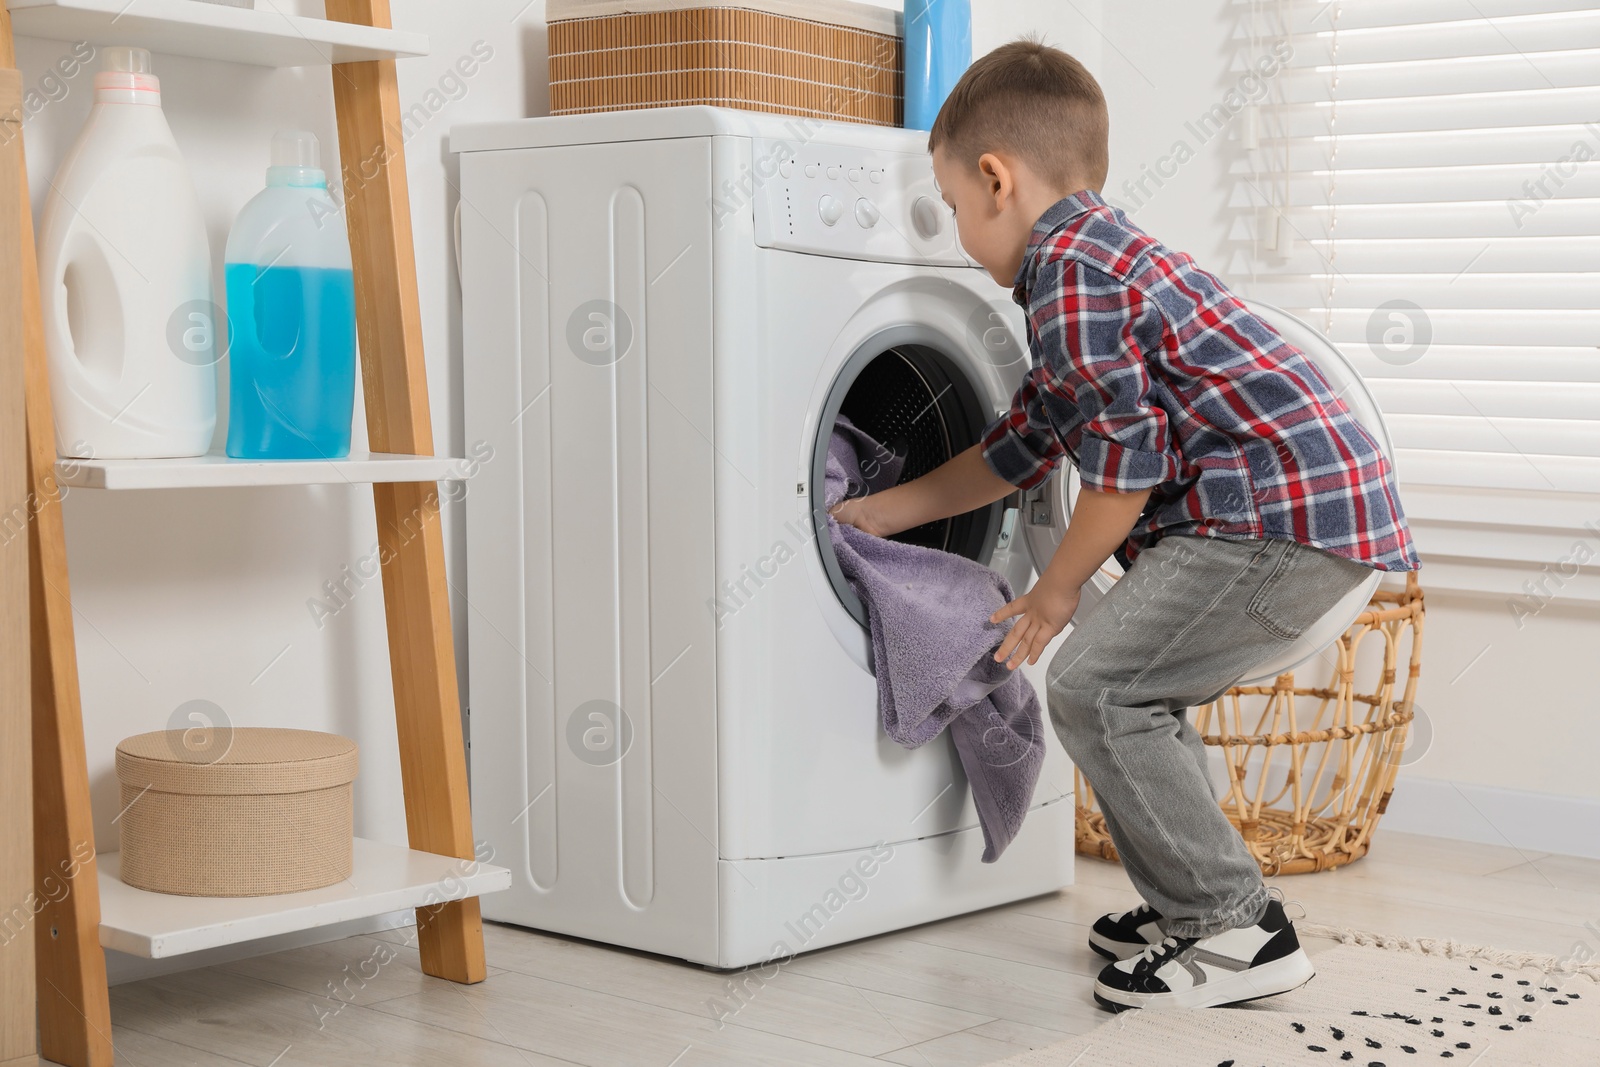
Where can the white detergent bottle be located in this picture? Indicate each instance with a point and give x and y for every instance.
(125, 282)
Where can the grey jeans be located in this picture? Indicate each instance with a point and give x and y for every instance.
(1191, 617)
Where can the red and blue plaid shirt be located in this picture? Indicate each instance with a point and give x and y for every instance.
(1149, 374)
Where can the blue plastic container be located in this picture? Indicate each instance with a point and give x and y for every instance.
(291, 315)
(938, 49)
(292, 361)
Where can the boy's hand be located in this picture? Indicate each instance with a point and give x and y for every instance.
(953, 488)
(862, 513)
(1045, 609)
(1100, 522)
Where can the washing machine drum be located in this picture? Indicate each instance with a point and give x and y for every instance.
(921, 405)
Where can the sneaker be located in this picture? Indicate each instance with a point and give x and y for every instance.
(1120, 935)
(1203, 972)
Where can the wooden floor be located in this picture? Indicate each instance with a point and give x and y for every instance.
(966, 991)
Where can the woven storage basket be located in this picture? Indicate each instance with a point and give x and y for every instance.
(252, 811)
(1310, 769)
(822, 59)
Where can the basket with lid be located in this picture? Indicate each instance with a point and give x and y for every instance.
(239, 812)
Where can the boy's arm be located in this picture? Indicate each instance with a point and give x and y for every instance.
(1100, 522)
(953, 488)
(1020, 448)
(1090, 327)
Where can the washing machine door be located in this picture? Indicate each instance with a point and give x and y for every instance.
(1046, 511)
(925, 400)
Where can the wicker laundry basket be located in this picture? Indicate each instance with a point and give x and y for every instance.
(256, 811)
(1310, 769)
(821, 58)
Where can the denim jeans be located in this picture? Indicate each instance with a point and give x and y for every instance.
(1191, 617)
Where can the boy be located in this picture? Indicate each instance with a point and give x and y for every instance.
(1215, 461)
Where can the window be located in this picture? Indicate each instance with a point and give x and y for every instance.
(1424, 186)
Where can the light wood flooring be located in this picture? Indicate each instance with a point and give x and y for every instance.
(970, 990)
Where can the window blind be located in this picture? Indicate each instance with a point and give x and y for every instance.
(1423, 184)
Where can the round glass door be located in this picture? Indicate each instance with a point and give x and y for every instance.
(919, 403)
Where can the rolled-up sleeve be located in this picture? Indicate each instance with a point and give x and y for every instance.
(1022, 446)
(1090, 384)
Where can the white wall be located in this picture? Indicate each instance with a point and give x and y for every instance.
(186, 595)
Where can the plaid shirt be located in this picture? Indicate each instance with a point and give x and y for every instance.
(1149, 374)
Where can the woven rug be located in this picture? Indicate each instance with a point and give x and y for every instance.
(1376, 1002)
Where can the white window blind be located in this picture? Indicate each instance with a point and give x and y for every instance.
(1424, 186)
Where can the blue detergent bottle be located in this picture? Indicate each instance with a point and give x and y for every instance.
(291, 314)
(938, 49)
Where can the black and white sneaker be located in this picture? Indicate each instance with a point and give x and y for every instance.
(1186, 972)
(1122, 934)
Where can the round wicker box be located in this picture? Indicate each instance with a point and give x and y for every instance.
(247, 812)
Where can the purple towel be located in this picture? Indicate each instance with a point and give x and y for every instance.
(933, 647)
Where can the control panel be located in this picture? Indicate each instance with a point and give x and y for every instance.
(852, 203)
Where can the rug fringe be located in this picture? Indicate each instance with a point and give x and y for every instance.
(1452, 949)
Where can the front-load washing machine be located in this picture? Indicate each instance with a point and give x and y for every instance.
(674, 729)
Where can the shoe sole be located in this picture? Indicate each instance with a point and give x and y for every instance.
(1268, 980)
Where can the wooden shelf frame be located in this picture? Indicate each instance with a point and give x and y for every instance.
(74, 1010)
(18, 1031)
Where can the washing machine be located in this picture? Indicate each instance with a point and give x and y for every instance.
(674, 733)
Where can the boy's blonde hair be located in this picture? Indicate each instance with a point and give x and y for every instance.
(1035, 102)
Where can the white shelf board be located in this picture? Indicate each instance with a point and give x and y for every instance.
(213, 471)
(263, 38)
(384, 878)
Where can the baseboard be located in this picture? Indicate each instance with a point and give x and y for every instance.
(1532, 822)
(121, 967)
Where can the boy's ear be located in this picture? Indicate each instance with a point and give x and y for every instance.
(998, 178)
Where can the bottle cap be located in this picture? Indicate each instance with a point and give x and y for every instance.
(296, 160)
(127, 69)
(126, 59)
(296, 148)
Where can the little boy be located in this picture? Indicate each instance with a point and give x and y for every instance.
(1215, 461)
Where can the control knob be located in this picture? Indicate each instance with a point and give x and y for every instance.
(927, 217)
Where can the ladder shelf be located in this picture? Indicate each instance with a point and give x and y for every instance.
(359, 45)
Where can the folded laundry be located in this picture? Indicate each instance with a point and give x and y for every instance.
(932, 647)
